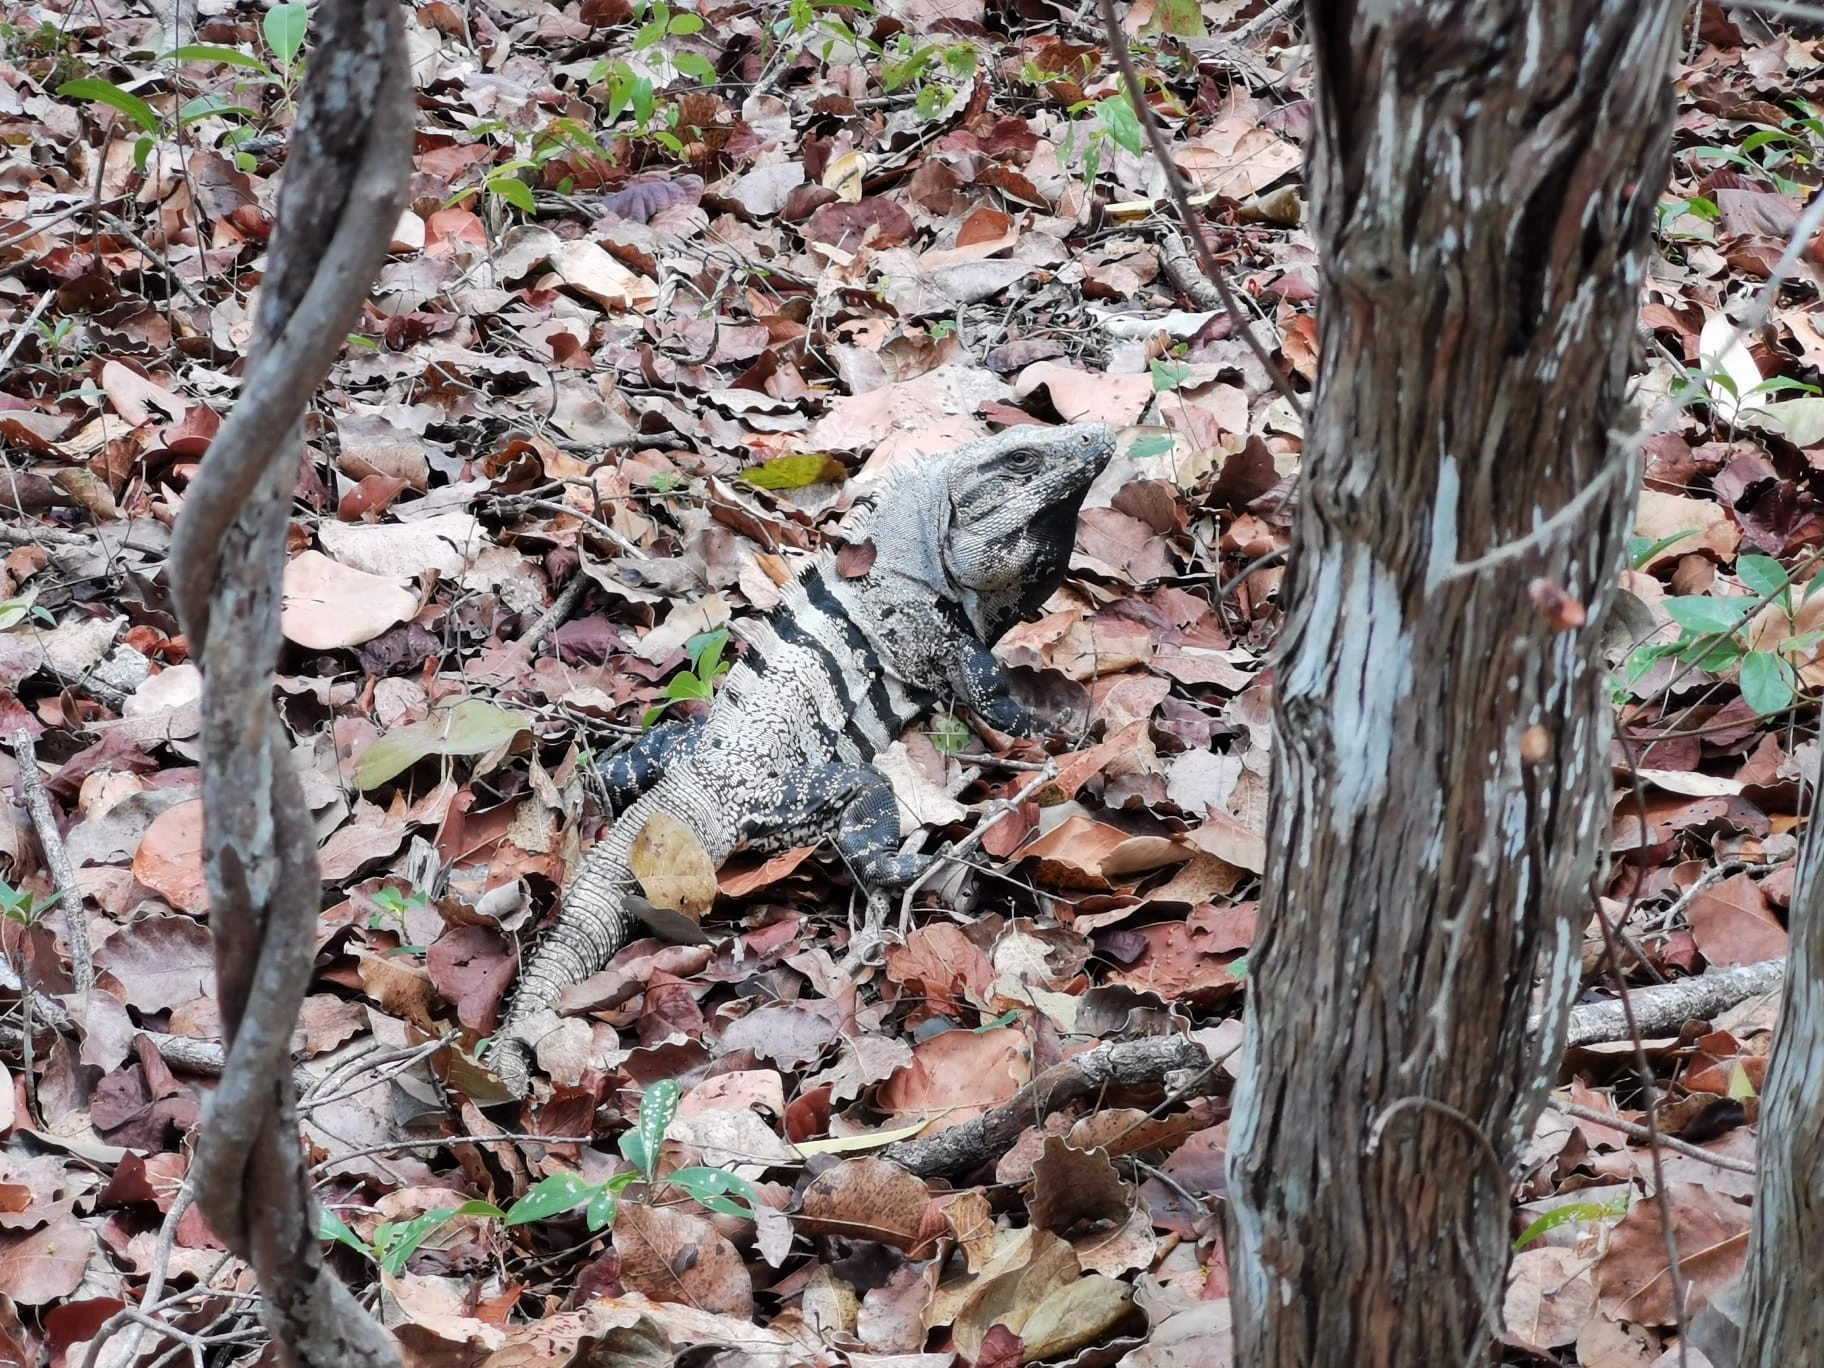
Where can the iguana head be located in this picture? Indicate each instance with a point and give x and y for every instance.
(990, 526)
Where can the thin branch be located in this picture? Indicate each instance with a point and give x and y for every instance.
(1122, 1063)
(1640, 1132)
(1174, 183)
(57, 860)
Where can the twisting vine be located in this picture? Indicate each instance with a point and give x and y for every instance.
(345, 185)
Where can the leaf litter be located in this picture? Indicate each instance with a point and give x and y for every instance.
(641, 341)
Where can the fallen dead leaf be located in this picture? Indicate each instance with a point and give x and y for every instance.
(328, 605)
(672, 1256)
(958, 1074)
(170, 857)
(1711, 1232)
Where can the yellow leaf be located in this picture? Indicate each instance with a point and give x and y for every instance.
(853, 1144)
(674, 870)
(844, 176)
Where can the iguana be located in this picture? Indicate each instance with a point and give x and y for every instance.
(965, 545)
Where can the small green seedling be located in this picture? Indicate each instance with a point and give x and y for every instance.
(640, 1145)
(395, 1242)
(1567, 1214)
(699, 680)
(24, 906)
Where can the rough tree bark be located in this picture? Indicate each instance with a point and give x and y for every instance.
(1483, 182)
(1785, 1277)
(344, 187)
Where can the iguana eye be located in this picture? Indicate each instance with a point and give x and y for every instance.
(1023, 462)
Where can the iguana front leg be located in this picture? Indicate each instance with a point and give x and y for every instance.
(642, 764)
(981, 685)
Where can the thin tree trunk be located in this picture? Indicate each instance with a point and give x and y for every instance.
(1483, 179)
(345, 182)
(1785, 1275)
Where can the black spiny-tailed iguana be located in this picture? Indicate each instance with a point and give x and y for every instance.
(965, 545)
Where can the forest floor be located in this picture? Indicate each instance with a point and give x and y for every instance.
(636, 354)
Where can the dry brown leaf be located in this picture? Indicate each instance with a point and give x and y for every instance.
(400, 989)
(161, 962)
(170, 857)
(47, 1264)
(944, 967)
(1711, 1231)
(672, 1256)
(867, 1198)
(1550, 1296)
(1733, 924)
(1665, 515)
(957, 1075)
(1073, 1186)
(1083, 853)
(328, 605)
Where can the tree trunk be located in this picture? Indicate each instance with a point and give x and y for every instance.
(1483, 178)
(1785, 1276)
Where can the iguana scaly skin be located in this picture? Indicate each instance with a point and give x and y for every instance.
(966, 544)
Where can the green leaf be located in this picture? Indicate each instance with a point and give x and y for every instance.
(397, 1242)
(514, 191)
(949, 733)
(549, 1196)
(1763, 574)
(106, 92)
(1767, 682)
(142, 153)
(706, 652)
(711, 1187)
(331, 1227)
(1642, 552)
(1699, 613)
(210, 52)
(1123, 125)
(685, 685)
(1565, 1215)
(284, 27)
(472, 727)
(601, 1209)
(1158, 445)
(1168, 375)
(683, 25)
(697, 67)
(211, 107)
(1713, 653)
(657, 1107)
(796, 472)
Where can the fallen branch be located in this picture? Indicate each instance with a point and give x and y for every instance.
(1118, 1064)
(1666, 1007)
(57, 860)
